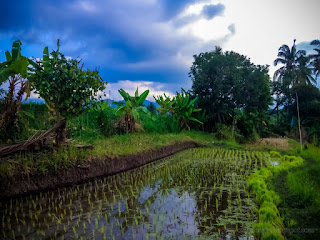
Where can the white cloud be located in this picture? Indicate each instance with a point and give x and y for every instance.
(263, 26)
(155, 88)
(254, 28)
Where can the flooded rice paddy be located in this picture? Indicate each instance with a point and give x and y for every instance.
(195, 194)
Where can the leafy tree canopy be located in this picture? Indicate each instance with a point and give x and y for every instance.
(227, 81)
(65, 85)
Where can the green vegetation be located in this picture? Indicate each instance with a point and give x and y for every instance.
(196, 193)
(298, 189)
(181, 107)
(294, 81)
(66, 87)
(131, 107)
(270, 223)
(229, 102)
(232, 90)
(68, 157)
(14, 71)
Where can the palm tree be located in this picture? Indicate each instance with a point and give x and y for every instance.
(295, 71)
(290, 58)
(303, 74)
(315, 58)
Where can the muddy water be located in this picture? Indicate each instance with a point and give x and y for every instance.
(196, 194)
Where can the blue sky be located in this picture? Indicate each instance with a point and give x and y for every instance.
(150, 43)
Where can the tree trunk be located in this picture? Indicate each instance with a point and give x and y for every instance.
(33, 142)
(131, 122)
(61, 136)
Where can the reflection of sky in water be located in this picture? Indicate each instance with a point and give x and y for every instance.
(177, 202)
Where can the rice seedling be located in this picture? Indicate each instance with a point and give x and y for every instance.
(198, 192)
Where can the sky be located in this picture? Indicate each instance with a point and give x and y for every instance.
(150, 43)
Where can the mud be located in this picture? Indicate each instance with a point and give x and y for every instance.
(21, 184)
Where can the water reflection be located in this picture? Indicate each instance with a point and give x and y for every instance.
(197, 194)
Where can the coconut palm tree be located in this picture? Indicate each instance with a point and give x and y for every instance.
(303, 73)
(315, 58)
(295, 71)
(290, 59)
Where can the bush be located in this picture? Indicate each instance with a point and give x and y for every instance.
(93, 124)
(160, 123)
(229, 133)
(275, 154)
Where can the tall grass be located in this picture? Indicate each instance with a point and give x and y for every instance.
(305, 181)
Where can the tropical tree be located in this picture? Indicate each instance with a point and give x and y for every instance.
(183, 108)
(131, 108)
(66, 87)
(315, 58)
(152, 108)
(295, 69)
(15, 71)
(290, 59)
(304, 72)
(165, 103)
(225, 82)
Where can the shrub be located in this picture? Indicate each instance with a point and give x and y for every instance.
(160, 123)
(275, 154)
(229, 133)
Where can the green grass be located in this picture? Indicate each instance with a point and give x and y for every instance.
(298, 189)
(67, 157)
(305, 181)
(270, 221)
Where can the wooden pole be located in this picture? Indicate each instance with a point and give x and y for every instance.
(299, 120)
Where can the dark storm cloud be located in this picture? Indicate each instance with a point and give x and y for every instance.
(126, 39)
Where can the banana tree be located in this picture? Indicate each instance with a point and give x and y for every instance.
(165, 103)
(15, 70)
(183, 108)
(131, 108)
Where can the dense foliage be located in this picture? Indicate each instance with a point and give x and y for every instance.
(181, 107)
(14, 71)
(231, 89)
(131, 108)
(65, 85)
(230, 97)
(294, 83)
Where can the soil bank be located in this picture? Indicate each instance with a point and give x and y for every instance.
(22, 183)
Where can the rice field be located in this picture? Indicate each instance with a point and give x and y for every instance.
(195, 194)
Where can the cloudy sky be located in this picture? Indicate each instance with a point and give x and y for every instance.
(150, 43)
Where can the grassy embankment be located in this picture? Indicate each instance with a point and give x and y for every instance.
(68, 157)
(300, 197)
(289, 193)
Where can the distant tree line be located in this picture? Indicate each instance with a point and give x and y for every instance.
(230, 97)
